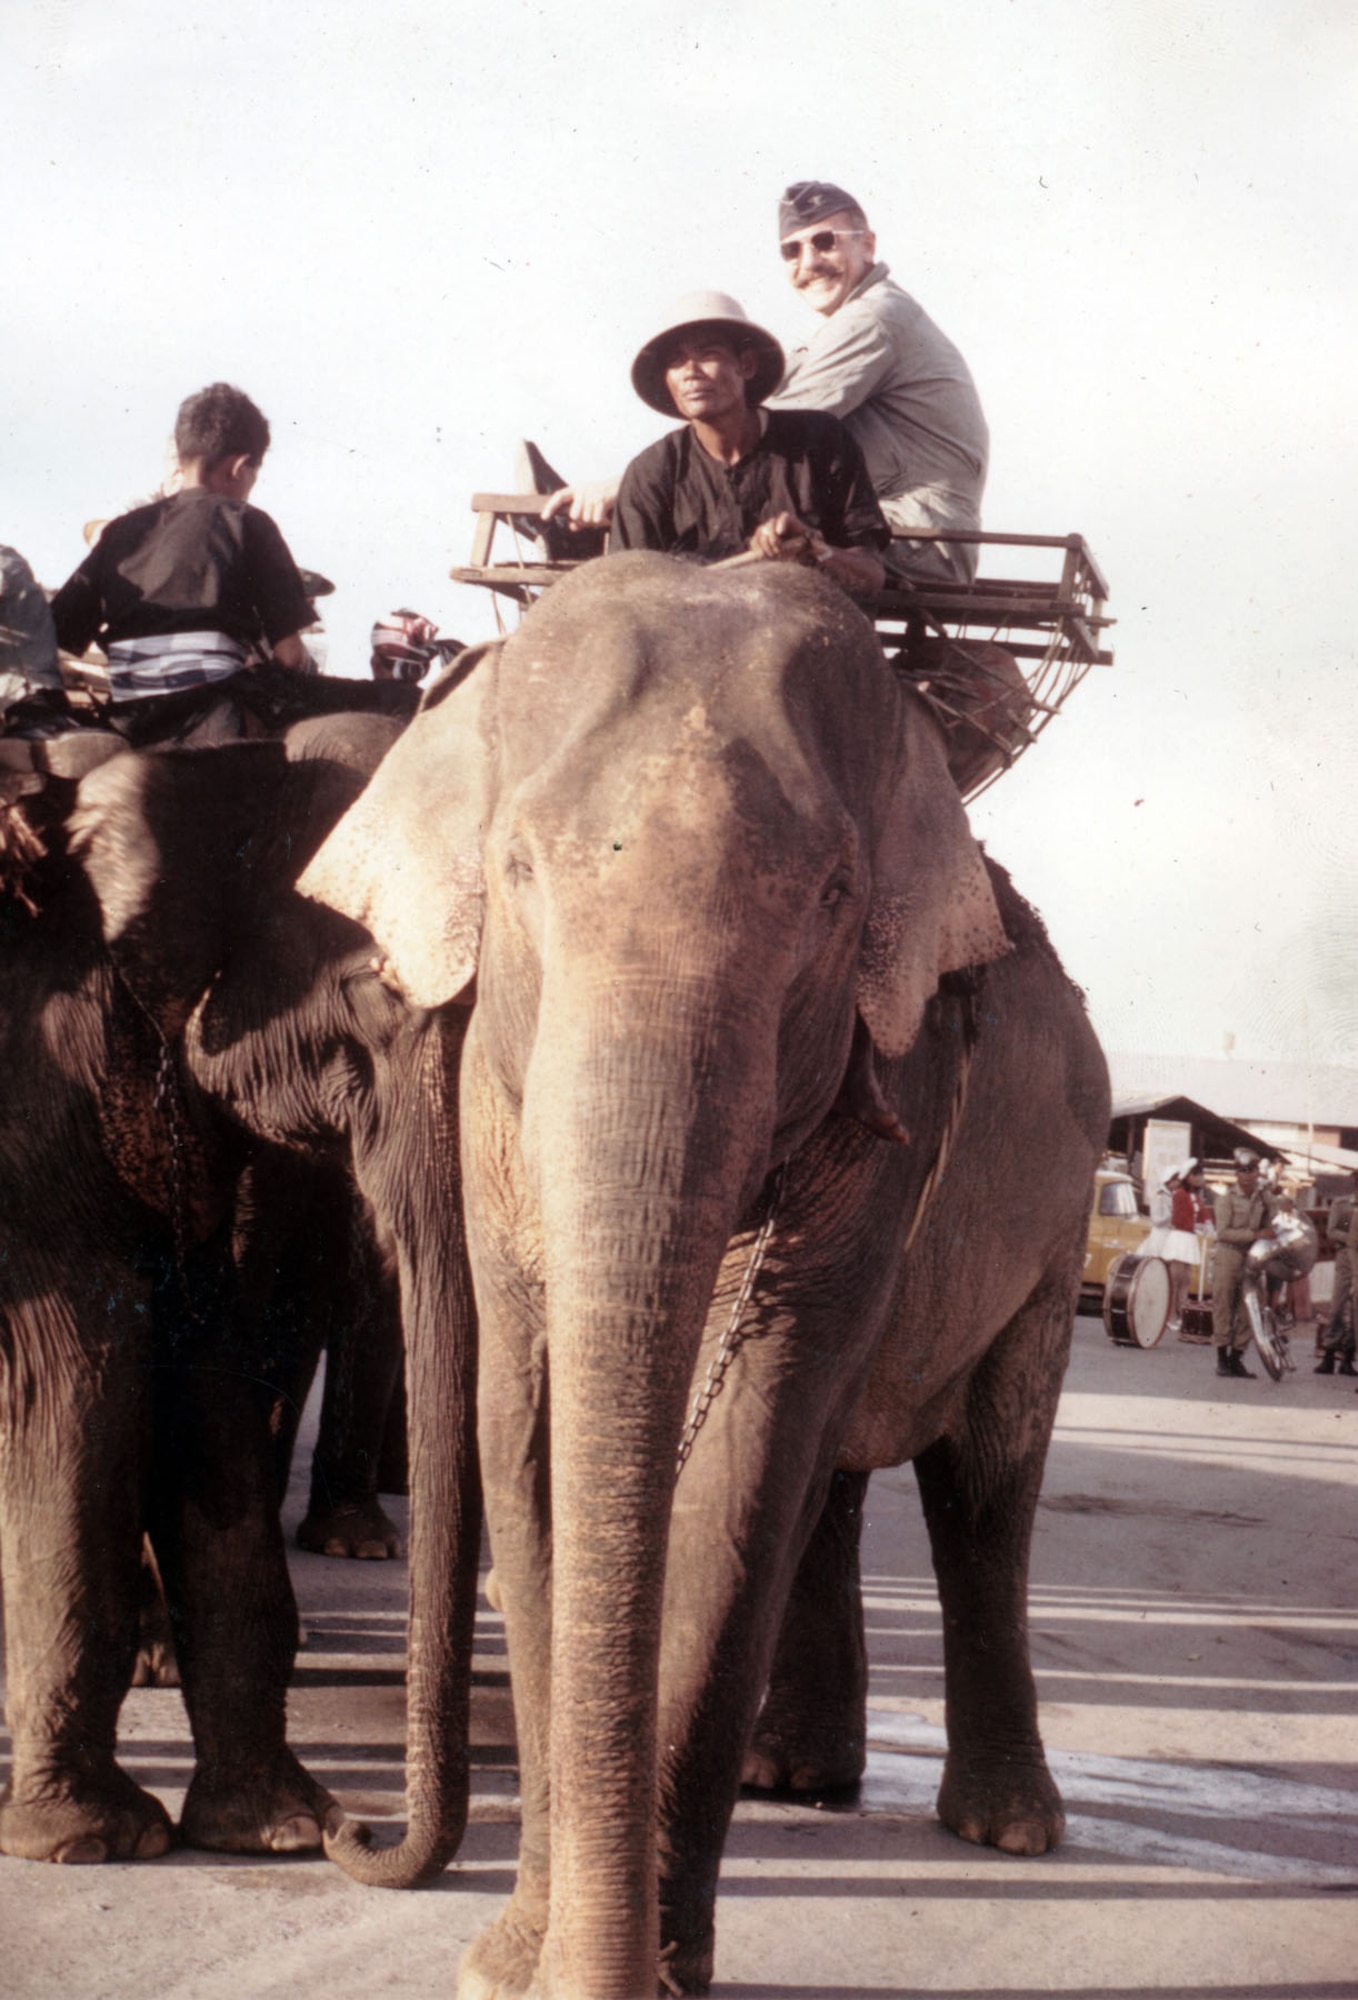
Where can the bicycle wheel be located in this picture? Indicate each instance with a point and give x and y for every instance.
(1272, 1344)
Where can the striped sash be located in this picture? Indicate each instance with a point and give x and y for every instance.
(171, 661)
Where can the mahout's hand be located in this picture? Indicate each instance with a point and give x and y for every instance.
(786, 538)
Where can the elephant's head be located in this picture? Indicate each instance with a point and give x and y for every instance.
(674, 737)
(187, 851)
(684, 829)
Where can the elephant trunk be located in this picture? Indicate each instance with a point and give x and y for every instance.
(635, 1230)
(421, 1198)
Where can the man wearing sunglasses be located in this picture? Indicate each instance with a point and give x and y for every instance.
(881, 366)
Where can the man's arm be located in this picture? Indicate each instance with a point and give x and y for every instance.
(643, 513)
(850, 355)
(77, 609)
(588, 505)
(280, 595)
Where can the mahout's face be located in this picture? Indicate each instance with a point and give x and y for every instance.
(706, 375)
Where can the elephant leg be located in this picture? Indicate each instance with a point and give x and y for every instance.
(512, 1428)
(362, 1384)
(979, 1486)
(155, 1665)
(217, 1536)
(747, 1508)
(812, 1730)
(72, 1461)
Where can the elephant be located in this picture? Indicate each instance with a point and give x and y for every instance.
(779, 1120)
(193, 1052)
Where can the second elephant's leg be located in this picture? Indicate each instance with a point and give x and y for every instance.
(979, 1486)
(812, 1730)
(71, 1468)
(216, 1531)
(363, 1379)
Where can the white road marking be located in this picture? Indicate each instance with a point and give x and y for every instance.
(1251, 1801)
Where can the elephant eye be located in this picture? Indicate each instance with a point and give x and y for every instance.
(518, 867)
(836, 889)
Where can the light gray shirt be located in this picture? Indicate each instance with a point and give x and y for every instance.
(901, 388)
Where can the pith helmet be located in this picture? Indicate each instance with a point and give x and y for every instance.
(707, 309)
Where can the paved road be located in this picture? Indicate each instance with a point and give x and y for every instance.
(1196, 1643)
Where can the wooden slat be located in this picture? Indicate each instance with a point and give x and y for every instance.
(509, 503)
(1069, 608)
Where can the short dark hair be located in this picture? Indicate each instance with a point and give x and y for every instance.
(220, 422)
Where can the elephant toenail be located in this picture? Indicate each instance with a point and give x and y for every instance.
(295, 1835)
(87, 1849)
(154, 1842)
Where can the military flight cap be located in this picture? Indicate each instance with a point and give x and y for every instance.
(806, 202)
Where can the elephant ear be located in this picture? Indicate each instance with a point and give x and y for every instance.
(178, 847)
(406, 859)
(932, 910)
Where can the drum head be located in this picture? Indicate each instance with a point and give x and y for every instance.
(1136, 1301)
(1148, 1303)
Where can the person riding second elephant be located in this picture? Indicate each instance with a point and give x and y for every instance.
(178, 591)
(786, 485)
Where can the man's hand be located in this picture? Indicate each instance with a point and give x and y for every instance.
(589, 505)
(290, 652)
(785, 538)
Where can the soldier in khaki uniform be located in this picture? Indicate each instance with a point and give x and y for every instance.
(1342, 1229)
(1243, 1214)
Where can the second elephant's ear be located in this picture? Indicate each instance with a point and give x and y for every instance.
(933, 910)
(178, 847)
(406, 859)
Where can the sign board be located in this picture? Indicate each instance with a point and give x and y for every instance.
(1165, 1146)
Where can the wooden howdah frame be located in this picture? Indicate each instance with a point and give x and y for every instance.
(1053, 628)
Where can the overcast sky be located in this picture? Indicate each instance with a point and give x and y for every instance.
(419, 231)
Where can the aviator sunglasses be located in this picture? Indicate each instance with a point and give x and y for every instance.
(823, 240)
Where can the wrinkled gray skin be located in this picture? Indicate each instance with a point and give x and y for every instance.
(721, 901)
(166, 911)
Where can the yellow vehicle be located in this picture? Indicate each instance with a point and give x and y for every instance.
(1116, 1226)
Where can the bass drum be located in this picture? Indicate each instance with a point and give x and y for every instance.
(1136, 1300)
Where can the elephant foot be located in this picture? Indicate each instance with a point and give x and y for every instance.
(85, 1824)
(1014, 1805)
(687, 1968)
(357, 1528)
(788, 1756)
(279, 1811)
(502, 1963)
(155, 1667)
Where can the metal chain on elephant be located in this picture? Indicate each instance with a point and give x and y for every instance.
(169, 1102)
(734, 1339)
